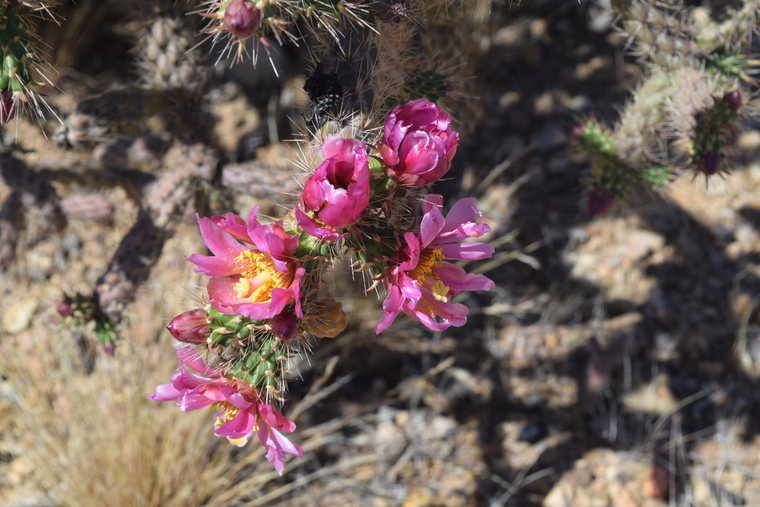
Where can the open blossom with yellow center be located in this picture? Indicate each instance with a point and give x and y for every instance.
(254, 282)
(420, 282)
(240, 411)
(259, 276)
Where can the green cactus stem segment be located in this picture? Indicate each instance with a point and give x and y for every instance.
(250, 349)
(610, 171)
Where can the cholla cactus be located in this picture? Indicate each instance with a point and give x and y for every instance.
(686, 113)
(267, 292)
(237, 21)
(21, 72)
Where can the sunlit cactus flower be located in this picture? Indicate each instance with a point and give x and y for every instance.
(419, 143)
(420, 282)
(239, 410)
(253, 270)
(338, 191)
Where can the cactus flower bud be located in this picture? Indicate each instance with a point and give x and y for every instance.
(709, 162)
(190, 327)
(285, 326)
(64, 309)
(242, 19)
(8, 107)
(419, 143)
(733, 99)
(108, 348)
(600, 201)
(577, 130)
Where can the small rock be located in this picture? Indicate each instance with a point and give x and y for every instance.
(655, 398)
(657, 483)
(749, 140)
(549, 137)
(532, 433)
(18, 316)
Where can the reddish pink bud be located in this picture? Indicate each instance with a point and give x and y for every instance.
(108, 348)
(285, 326)
(709, 162)
(733, 99)
(242, 19)
(577, 130)
(8, 107)
(600, 201)
(64, 309)
(190, 327)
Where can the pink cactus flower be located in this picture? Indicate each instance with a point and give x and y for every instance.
(419, 143)
(240, 412)
(420, 283)
(190, 327)
(253, 269)
(338, 191)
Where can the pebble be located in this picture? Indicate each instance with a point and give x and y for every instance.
(532, 433)
(19, 315)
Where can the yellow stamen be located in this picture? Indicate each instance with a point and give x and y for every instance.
(429, 260)
(439, 291)
(259, 276)
(427, 277)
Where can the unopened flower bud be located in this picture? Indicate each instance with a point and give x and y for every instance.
(419, 143)
(242, 19)
(108, 348)
(8, 107)
(576, 131)
(600, 201)
(190, 327)
(285, 326)
(64, 309)
(733, 99)
(709, 162)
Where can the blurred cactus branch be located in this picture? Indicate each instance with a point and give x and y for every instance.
(687, 110)
(32, 198)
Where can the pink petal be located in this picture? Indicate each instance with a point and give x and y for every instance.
(234, 225)
(451, 314)
(194, 401)
(458, 280)
(277, 445)
(467, 251)
(308, 224)
(239, 426)
(219, 242)
(190, 357)
(275, 419)
(412, 250)
(432, 223)
(391, 307)
(165, 392)
(430, 201)
(214, 266)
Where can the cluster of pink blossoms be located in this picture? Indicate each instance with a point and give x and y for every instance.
(266, 290)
